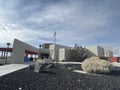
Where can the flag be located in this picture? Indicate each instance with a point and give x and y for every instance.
(54, 35)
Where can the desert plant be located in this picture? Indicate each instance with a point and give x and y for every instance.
(78, 53)
(96, 65)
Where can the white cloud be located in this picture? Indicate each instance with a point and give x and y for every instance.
(9, 32)
(74, 21)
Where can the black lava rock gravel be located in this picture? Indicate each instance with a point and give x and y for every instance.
(60, 77)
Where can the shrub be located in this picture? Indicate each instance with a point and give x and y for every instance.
(78, 53)
(96, 65)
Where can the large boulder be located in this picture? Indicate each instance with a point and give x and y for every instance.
(96, 65)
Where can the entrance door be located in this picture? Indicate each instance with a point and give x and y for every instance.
(44, 55)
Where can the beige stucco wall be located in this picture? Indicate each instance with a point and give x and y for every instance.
(54, 50)
(19, 48)
(63, 54)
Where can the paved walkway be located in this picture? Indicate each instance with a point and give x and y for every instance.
(5, 69)
(116, 64)
(70, 62)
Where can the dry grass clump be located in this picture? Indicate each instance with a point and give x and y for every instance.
(96, 65)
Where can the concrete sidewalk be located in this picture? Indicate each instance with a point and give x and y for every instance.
(69, 62)
(6, 69)
(116, 64)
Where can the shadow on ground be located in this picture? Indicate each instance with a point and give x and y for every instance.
(115, 71)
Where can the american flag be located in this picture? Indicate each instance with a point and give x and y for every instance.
(54, 35)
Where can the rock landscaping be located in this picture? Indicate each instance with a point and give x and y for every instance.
(60, 77)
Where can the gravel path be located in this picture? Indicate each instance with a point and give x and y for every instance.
(60, 78)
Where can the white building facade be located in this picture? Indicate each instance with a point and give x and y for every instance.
(61, 52)
(64, 54)
(95, 51)
(57, 51)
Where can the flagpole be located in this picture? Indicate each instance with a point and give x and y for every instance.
(55, 46)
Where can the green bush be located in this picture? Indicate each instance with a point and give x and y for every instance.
(78, 53)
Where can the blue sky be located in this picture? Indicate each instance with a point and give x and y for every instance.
(85, 22)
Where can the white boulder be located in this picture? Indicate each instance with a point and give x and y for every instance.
(40, 62)
(96, 65)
